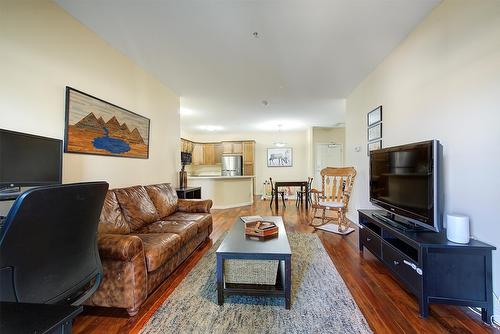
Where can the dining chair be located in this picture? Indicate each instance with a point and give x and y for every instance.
(336, 187)
(302, 193)
(273, 193)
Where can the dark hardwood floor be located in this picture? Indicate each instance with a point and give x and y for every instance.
(386, 305)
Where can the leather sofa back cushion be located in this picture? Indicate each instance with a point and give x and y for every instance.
(164, 198)
(136, 206)
(112, 220)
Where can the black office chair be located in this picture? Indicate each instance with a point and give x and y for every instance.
(48, 245)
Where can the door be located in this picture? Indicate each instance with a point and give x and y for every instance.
(327, 155)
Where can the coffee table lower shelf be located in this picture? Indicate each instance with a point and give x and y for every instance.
(280, 289)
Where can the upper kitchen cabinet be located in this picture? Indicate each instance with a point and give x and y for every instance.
(186, 146)
(197, 154)
(219, 149)
(237, 148)
(230, 147)
(209, 154)
(248, 157)
(248, 152)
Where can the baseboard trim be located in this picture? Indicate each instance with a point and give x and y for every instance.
(237, 205)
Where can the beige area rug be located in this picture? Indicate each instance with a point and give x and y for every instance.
(321, 302)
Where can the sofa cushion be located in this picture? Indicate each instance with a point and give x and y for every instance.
(163, 197)
(185, 229)
(136, 206)
(202, 220)
(159, 248)
(112, 220)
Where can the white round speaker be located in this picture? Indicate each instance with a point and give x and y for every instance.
(457, 228)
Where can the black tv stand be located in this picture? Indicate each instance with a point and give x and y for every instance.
(403, 225)
(432, 268)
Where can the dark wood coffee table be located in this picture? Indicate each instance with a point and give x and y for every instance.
(236, 246)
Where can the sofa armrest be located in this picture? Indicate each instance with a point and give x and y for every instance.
(194, 205)
(118, 246)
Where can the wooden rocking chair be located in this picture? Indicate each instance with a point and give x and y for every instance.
(336, 187)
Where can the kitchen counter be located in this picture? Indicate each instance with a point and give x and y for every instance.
(225, 191)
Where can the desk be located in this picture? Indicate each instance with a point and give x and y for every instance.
(301, 184)
(37, 318)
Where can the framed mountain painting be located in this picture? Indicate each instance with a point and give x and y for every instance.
(94, 126)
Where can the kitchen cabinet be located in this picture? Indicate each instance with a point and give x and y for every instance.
(248, 158)
(248, 152)
(237, 148)
(209, 154)
(197, 154)
(248, 169)
(186, 146)
(230, 147)
(227, 147)
(218, 152)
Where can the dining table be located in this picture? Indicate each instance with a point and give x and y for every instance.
(302, 184)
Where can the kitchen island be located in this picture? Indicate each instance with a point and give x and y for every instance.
(225, 191)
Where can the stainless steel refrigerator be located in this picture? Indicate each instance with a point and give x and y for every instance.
(232, 165)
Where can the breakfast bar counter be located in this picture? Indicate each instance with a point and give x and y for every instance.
(225, 191)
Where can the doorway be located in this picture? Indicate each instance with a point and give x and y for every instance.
(326, 155)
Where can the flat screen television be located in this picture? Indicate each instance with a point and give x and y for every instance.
(29, 160)
(406, 181)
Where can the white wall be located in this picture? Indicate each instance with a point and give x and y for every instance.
(442, 82)
(297, 140)
(42, 50)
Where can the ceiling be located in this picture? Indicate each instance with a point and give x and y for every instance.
(308, 55)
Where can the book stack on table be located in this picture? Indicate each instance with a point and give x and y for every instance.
(257, 227)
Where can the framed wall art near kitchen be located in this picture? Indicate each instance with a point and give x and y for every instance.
(374, 116)
(279, 157)
(95, 126)
(375, 132)
(376, 145)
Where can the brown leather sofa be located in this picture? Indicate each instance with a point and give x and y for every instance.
(145, 232)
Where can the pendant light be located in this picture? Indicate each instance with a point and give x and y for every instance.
(279, 143)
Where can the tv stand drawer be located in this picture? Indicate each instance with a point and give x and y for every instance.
(371, 241)
(404, 267)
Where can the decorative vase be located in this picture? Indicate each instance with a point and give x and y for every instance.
(182, 179)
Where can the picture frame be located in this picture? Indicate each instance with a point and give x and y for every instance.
(279, 157)
(374, 116)
(95, 126)
(375, 132)
(376, 145)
